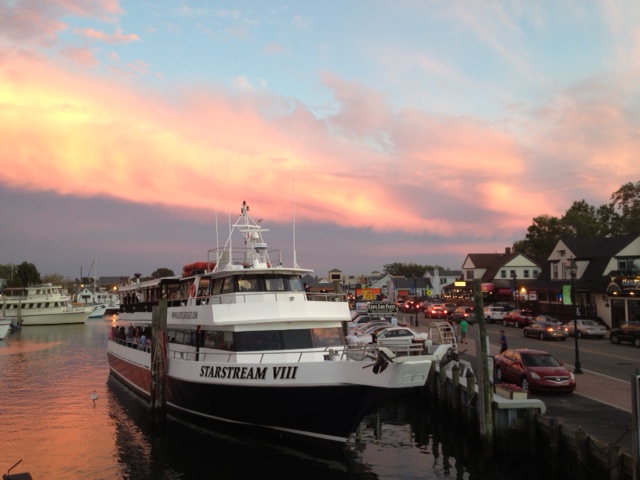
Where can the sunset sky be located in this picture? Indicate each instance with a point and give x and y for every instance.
(398, 131)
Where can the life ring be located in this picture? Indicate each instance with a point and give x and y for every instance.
(192, 290)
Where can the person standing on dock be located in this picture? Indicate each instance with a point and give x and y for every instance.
(503, 341)
(464, 326)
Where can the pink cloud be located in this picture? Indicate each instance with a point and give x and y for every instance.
(82, 56)
(113, 38)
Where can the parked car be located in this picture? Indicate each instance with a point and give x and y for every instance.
(435, 311)
(518, 318)
(587, 328)
(533, 370)
(462, 312)
(494, 313)
(449, 307)
(627, 332)
(545, 329)
(399, 336)
(366, 335)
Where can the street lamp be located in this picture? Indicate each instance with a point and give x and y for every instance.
(515, 290)
(573, 270)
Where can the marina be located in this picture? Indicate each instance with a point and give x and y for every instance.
(52, 424)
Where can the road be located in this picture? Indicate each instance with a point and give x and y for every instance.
(598, 356)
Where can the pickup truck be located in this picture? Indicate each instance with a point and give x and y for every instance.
(494, 314)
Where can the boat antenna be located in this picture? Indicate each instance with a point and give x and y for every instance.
(295, 260)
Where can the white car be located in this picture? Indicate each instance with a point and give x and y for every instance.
(587, 328)
(398, 336)
(494, 313)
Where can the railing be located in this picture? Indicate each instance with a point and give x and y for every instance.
(141, 307)
(347, 353)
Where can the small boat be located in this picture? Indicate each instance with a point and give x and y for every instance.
(103, 301)
(44, 304)
(245, 343)
(5, 326)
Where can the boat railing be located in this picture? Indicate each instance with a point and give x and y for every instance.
(248, 297)
(356, 353)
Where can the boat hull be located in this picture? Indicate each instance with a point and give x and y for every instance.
(5, 325)
(62, 317)
(324, 401)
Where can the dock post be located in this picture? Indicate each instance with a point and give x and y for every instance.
(455, 390)
(159, 361)
(485, 391)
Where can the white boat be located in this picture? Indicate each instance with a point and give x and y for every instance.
(43, 304)
(5, 326)
(102, 300)
(248, 345)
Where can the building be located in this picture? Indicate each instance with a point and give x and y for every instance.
(607, 279)
(504, 277)
(439, 279)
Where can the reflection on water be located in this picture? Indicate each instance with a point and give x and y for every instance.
(48, 420)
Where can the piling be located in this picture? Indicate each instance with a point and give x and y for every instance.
(159, 361)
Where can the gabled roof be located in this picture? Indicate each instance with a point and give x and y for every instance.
(493, 262)
(597, 251)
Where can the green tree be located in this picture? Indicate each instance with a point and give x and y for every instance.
(26, 274)
(162, 272)
(407, 269)
(625, 203)
(541, 236)
(620, 216)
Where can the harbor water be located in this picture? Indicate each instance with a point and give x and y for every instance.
(49, 421)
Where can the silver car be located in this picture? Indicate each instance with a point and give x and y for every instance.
(587, 328)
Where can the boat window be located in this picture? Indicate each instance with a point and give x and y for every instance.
(274, 284)
(248, 283)
(295, 284)
(203, 288)
(218, 340)
(217, 286)
(297, 339)
(327, 337)
(228, 285)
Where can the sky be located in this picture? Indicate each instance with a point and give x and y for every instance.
(363, 133)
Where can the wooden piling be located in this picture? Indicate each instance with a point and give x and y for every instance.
(159, 361)
(485, 400)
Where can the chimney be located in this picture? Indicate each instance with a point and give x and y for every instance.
(507, 250)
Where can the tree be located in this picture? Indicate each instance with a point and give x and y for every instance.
(162, 272)
(26, 274)
(620, 216)
(407, 269)
(625, 203)
(541, 236)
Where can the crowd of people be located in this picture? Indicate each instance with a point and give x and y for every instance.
(134, 337)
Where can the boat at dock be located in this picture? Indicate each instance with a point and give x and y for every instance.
(43, 304)
(5, 326)
(245, 343)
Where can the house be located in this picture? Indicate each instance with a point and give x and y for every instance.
(606, 283)
(504, 277)
(439, 279)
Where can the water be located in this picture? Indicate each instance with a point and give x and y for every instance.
(47, 419)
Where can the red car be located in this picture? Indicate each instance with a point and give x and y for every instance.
(518, 318)
(533, 370)
(435, 311)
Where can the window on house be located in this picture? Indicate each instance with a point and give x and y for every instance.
(564, 270)
(526, 274)
(469, 274)
(554, 270)
(622, 265)
(536, 273)
(503, 273)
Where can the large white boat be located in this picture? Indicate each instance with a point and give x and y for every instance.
(248, 345)
(43, 304)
